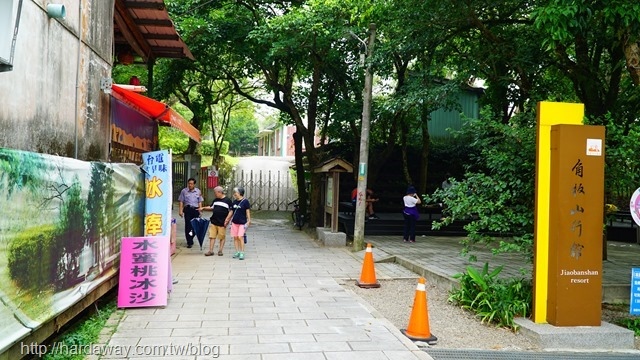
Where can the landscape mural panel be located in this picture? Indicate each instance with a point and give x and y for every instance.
(61, 221)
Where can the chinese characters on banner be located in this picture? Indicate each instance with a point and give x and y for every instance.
(144, 270)
(157, 166)
(145, 263)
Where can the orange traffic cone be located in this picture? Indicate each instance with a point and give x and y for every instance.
(368, 275)
(418, 328)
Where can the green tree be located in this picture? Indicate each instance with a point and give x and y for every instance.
(224, 116)
(300, 59)
(71, 236)
(527, 52)
(21, 171)
(208, 147)
(286, 49)
(497, 193)
(591, 43)
(173, 139)
(242, 135)
(96, 227)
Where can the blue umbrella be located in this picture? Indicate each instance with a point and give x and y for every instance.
(200, 227)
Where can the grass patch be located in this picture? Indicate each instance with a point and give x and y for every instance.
(84, 332)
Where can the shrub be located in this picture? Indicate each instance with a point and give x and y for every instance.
(631, 324)
(28, 256)
(494, 300)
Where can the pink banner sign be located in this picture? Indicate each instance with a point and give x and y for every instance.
(144, 271)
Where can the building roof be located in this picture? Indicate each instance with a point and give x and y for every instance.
(334, 165)
(144, 27)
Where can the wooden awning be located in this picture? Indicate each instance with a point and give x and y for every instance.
(144, 27)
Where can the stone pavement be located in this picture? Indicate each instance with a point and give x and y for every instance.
(438, 259)
(284, 301)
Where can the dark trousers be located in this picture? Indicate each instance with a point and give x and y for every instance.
(409, 227)
(189, 213)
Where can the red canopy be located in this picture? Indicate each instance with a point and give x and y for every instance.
(155, 110)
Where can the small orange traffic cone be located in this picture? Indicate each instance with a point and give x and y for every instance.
(418, 328)
(368, 274)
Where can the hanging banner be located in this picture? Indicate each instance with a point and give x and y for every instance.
(144, 270)
(156, 166)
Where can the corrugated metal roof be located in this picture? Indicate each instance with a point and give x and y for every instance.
(144, 27)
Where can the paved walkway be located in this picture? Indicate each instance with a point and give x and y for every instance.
(284, 301)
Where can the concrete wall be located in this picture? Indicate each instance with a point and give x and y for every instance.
(51, 101)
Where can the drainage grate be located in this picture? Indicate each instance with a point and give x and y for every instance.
(456, 354)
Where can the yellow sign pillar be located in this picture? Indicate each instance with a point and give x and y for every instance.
(549, 114)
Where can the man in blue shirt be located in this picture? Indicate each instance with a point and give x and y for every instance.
(190, 200)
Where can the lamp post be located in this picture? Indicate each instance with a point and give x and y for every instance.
(361, 197)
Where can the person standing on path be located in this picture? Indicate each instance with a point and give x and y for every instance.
(222, 212)
(190, 201)
(240, 220)
(410, 214)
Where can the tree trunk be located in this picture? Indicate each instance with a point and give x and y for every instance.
(405, 160)
(196, 121)
(632, 56)
(299, 166)
(424, 153)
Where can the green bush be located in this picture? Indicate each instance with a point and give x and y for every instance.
(207, 147)
(631, 324)
(29, 257)
(497, 193)
(494, 300)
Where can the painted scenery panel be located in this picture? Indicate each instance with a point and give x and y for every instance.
(61, 221)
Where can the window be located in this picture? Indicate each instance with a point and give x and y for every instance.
(9, 21)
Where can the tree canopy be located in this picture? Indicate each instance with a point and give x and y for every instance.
(303, 58)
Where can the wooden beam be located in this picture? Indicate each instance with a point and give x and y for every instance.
(165, 53)
(152, 22)
(131, 31)
(162, 37)
(128, 37)
(145, 5)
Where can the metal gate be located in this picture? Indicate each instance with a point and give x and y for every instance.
(179, 177)
(266, 190)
